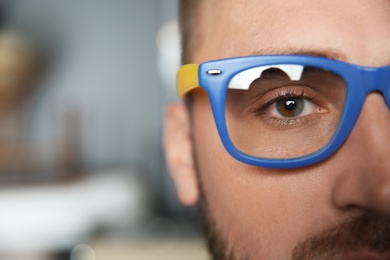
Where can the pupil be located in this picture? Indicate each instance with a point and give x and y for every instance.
(290, 107)
(290, 104)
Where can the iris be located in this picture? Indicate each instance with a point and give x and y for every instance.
(290, 107)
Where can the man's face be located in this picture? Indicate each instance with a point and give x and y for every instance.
(340, 205)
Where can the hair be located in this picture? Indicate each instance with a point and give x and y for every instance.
(188, 15)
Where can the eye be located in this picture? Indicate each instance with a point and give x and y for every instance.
(292, 107)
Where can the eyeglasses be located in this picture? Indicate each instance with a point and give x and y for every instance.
(284, 111)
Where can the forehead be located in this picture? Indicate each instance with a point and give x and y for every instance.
(358, 30)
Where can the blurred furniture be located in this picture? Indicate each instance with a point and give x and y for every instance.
(154, 249)
(57, 217)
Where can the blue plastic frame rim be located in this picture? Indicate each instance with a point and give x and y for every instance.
(360, 81)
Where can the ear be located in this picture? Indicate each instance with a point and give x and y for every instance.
(178, 152)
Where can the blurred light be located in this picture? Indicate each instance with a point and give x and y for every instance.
(168, 59)
(82, 252)
(168, 40)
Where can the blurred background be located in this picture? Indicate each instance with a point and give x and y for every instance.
(83, 86)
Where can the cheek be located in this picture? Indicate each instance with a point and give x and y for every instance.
(254, 207)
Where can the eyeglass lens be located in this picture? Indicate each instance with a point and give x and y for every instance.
(283, 110)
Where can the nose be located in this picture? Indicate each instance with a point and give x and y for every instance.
(363, 176)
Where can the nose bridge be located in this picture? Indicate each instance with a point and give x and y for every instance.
(368, 144)
(377, 79)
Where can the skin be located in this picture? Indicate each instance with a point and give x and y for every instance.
(264, 213)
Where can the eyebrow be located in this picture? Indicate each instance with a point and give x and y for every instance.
(324, 53)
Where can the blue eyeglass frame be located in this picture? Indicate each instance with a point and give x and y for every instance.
(214, 77)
